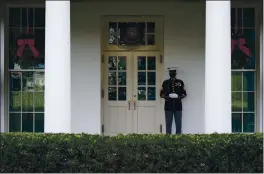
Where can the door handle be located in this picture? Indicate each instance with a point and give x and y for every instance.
(129, 101)
(134, 101)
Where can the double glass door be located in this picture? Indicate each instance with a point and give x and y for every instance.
(131, 85)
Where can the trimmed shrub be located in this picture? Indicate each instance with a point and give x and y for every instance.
(71, 153)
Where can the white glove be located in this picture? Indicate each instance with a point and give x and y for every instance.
(173, 95)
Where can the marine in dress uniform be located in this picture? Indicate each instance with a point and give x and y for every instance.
(173, 92)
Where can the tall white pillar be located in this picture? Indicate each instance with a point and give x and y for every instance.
(218, 67)
(57, 67)
(3, 120)
(261, 113)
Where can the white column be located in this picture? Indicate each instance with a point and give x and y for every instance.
(218, 67)
(57, 67)
(261, 111)
(3, 122)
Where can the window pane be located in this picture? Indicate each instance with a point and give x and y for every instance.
(236, 122)
(249, 60)
(248, 81)
(141, 63)
(233, 17)
(151, 27)
(122, 78)
(236, 81)
(112, 93)
(248, 122)
(121, 93)
(142, 93)
(239, 17)
(15, 81)
(27, 122)
(151, 78)
(236, 17)
(151, 93)
(15, 101)
(14, 122)
(113, 34)
(27, 17)
(39, 81)
(39, 122)
(40, 17)
(151, 63)
(141, 78)
(28, 81)
(132, 33)
(27, 101)
(14, 61)
(14, 17)
(112, 63)
(249, 102)
(39, 101)
(112, 78)
(151, 39)
(39, 62)
(248, 17)
(122, 63)
(236, 101)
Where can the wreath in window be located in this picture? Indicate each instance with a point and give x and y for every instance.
(26, 52)
(241, 54)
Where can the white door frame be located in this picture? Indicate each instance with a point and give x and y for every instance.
(105, 48)
(131, 104)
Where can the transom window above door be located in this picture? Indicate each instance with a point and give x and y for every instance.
(131, 33)
(126, 33)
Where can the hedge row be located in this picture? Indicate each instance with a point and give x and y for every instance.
(33, 152)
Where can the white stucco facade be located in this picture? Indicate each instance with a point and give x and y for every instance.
(184, 43)
(177, 34)
(180, 36)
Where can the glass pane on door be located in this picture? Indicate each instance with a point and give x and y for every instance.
(146, 78)
(117, 78)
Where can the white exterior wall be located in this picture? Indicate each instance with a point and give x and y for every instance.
(184, 47)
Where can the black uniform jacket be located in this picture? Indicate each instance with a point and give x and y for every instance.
(173, 86)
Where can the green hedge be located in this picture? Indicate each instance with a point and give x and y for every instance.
(29, 152)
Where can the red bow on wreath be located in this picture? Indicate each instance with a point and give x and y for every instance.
(239, 42)
(30, 42)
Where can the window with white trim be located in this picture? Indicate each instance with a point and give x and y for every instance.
(26, 41)
(243, 69)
